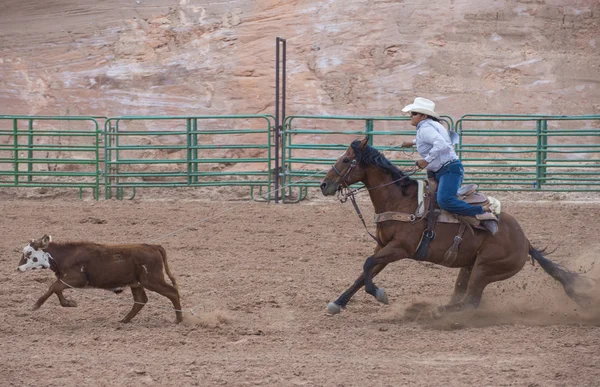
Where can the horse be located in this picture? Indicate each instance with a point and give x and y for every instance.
(483, 257)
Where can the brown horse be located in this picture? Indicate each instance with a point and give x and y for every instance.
(483, 258)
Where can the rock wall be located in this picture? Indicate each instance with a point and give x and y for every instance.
(356, 57)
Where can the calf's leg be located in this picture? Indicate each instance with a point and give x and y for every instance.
(58, 287)
(160, 286)
(140, 298)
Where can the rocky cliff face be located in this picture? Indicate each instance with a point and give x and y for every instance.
(358, 57)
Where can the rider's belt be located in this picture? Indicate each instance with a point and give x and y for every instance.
(447, 163)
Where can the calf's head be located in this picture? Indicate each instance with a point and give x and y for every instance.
(34, 256)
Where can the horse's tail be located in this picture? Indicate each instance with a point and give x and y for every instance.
(567, 278)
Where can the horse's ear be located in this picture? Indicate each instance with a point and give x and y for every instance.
(364, 142)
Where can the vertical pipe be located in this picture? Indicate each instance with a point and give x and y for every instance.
(538, 155)
(195, 149)
(544, 148)
(119, 190)
(16, 150)
(284, 76)
(107, 159)
(30, 150)
(269, 158)
(277, 120)
(369, 129)
(97, 156)
(460, 139)
(188, 143)
(282, 118)
(285, 140)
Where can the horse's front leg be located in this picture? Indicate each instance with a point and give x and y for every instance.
(373, 265)
(336, 306)
(386, 255)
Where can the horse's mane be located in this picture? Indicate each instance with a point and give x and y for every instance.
(371, 156)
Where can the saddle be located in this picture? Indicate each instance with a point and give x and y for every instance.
(427, 208)
(468, 193)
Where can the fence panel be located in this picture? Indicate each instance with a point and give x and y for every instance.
(50, 152)
(311, 144)
(500, 152)
(188, 151)
(531, 152)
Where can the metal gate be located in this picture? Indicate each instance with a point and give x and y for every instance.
(50, 152)
(531, 152)
(311, 144)
(188, 151)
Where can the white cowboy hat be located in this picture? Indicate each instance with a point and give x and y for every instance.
(422, 105)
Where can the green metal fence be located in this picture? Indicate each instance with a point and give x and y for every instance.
(531, 152)
(50, 152)
(188, 151)
(311, 144)
(500, 152)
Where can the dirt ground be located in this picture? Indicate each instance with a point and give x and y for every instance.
(258, 278)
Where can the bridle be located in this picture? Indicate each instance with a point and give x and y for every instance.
(344, 192)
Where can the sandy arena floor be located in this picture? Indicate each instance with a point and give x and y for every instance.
(259, 277)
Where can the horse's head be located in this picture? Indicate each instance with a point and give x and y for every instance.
(346, 170)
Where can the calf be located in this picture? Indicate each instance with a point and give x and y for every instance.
(86, 264)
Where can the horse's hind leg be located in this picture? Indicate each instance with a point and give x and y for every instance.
(487, 269)
(472, 296)
(461, 284)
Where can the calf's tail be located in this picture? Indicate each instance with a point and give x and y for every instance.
(569, 280)
(169, 274)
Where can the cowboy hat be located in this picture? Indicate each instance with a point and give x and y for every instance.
(423, 106)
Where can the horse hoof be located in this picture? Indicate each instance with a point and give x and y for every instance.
(333, 308)
(381, 296)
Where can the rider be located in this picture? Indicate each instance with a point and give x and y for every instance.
(436, 148)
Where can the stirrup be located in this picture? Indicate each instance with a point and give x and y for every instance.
(490, 225)
(486, 216)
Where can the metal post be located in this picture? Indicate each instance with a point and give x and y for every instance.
(16, 150)
(30, 151)
(195, 149)
(188, 155)
(369, 129)
(538, 155)
(544, 149)
(107, 159)
(119, 190)
(279, 115)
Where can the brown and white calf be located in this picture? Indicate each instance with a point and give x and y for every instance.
(110, 267)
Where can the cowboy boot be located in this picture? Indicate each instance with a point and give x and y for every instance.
(488, 220)
(433, 184)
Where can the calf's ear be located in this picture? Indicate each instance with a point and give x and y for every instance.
(46, 239)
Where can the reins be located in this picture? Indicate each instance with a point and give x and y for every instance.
(345, 192)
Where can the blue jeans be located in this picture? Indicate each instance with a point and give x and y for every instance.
(449, 179)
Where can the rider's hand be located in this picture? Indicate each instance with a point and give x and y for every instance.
(407, 144)
(421, 164)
